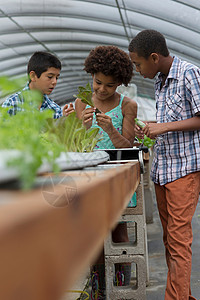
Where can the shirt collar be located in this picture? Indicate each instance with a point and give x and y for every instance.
(174, 71)
(26, 87)
(45, 97)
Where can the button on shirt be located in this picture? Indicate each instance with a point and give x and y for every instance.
(177, 154)
(14, 101)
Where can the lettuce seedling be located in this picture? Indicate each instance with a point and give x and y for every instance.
(37, 136)
(70, 132)
(146, 141)
(22, 132)
(85, 94)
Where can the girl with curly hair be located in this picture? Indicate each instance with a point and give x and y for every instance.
(110, 67)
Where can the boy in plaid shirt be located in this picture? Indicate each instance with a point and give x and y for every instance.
(176, 164)
(43, 71)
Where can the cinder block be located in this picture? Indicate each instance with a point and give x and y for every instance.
(138, 210)
(137, 292)
(131, 248)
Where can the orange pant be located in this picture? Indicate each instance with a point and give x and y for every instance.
(177, 202)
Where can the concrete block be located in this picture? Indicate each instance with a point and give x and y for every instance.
(131, 248)
(138, 210)
(133, 292)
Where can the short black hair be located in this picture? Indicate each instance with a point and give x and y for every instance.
(148, 41)
(40, 62)
(111, 61)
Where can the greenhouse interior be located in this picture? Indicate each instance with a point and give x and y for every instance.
(68, 228)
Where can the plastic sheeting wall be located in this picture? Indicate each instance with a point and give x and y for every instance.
(70, 28)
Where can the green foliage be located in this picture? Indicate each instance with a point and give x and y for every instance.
(8, 86)
(22, 132)
(70, 133)
(85, 94)
(40, 138)
(146, 141)
(139, 123)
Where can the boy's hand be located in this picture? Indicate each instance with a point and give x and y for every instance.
(68, 109)
(87, 116)
(153, 129)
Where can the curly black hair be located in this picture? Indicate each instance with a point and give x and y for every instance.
(111, 61)
(149, 41)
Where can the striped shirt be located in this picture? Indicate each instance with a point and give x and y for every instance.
(177, 154)
(14, 100)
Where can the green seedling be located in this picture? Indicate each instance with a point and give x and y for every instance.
(8, 85)
(146, 141)
(70, 133)
(139, 123)
(85, 94)
(38, 137)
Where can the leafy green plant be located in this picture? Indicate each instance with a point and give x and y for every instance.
(139, 123)
(22, 132)
(70, 133)
(85, 94)
(8, 86)
(38, 137)
(146, 141)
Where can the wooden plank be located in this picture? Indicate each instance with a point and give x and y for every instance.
(45, 244)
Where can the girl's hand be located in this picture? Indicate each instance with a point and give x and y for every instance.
(68, 109)
(87, 116)
(105, 122)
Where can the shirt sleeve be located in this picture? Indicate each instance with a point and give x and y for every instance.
(57, 111)
(48, 103)
(192, 80)
(10, 102)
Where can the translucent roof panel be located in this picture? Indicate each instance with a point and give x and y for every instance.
(71, 28)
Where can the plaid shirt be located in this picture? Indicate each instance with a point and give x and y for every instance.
(14, 100)
(177, 154)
